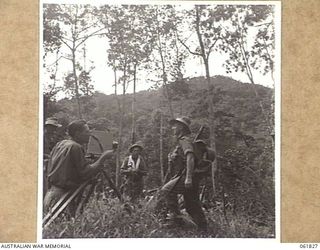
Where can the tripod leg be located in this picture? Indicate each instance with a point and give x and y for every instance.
(86, 199)
(56, 206)
(65, 204)
(202, 193)
(111, 184)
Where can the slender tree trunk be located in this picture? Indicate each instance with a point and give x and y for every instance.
(164, 74)
(119, 108)
(161, 149)
(211, 127)
(84, 57)
(133, 106)
(165, 86)
(205, 58)
(119, 150)
(210, 105)
(76, 82)
(73, 52)
(121, 121)
(166, 95)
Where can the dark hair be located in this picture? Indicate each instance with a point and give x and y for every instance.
(76, 126)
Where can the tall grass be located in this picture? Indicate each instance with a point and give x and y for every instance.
(108, 218)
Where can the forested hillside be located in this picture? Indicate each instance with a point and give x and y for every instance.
(245, 179)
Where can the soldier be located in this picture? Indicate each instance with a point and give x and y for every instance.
(68, 167)
(133, 169)
(187, 182)
(50, 139)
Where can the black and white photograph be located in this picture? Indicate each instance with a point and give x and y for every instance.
(159, 119)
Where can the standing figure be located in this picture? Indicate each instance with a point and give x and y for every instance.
(49, 141)
(50, 135)
(186, 182)
(68, 168)
(133, 169)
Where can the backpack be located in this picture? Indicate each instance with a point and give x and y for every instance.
(204, 156)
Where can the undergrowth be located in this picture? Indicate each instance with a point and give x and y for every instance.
(108, 218)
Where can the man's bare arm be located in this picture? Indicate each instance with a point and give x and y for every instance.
(190, 169)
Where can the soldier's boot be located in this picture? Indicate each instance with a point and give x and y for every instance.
(199, 219)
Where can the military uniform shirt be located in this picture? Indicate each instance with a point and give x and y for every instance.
(67, 165)
(185, 144)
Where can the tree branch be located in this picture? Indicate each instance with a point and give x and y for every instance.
(88, 27)
(191, 52)
(49, 65)
(66, 38)
(65, 43)
(66, 58)
(211, 47)
(263, 24)
(86, 38)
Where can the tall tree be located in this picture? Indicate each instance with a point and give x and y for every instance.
(73, 25)
(129, 48)
(205, 22)
(168, 58)
(249, 43)
(141, 47)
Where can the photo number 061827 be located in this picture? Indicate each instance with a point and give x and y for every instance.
(158, 120)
